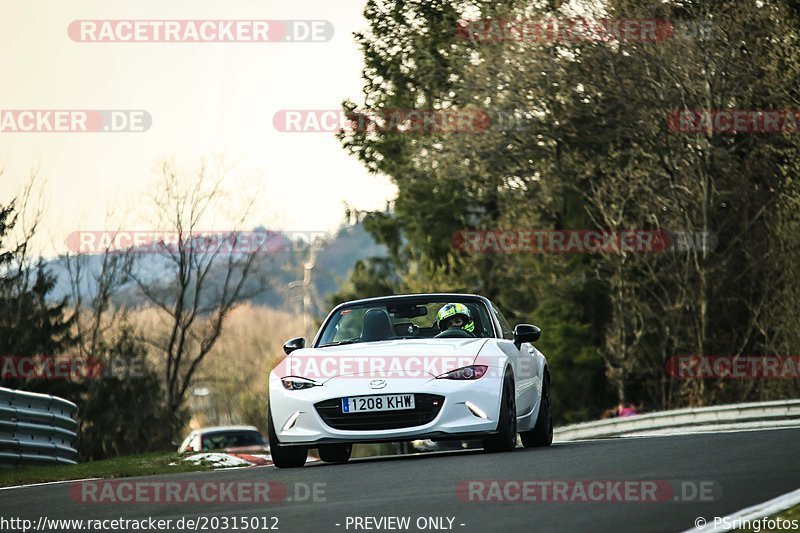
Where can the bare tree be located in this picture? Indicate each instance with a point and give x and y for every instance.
(100, 315)
(201, 278)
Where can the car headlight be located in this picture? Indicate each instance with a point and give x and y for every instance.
(298, 383)
(467, 372)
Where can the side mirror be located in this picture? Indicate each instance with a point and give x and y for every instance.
(294, 344)
(526, 333)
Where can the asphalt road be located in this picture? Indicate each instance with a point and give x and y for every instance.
(737, 469)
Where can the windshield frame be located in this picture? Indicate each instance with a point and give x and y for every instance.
(411, 298)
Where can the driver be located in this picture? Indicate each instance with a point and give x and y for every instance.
(455, 316)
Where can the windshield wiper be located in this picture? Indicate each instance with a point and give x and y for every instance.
(339, 343)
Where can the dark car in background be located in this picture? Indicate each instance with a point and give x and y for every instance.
(234, 439)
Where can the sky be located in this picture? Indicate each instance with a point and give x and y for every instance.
(207, 100)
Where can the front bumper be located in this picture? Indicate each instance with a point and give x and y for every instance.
(298, 422)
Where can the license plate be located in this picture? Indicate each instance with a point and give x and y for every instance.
(386, 402)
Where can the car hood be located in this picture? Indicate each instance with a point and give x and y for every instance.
(430, 357)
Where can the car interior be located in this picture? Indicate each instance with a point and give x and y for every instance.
(378, 326)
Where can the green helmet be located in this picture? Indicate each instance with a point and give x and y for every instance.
(448, 312)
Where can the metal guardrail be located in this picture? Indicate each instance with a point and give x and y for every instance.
(36, 429)
(781, 413)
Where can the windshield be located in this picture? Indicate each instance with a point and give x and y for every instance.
(232, 439)
(400, 319)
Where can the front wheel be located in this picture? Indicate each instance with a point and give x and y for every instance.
(284, 456)
(542, 432)
(505, 439)
(335, 453)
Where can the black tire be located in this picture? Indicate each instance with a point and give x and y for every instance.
(284, 456)
(505, 439)
(542, 432)
(335, 453)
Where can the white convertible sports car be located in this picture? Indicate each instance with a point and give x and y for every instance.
(399, 368)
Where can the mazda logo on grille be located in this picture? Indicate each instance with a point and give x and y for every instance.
(377, 384)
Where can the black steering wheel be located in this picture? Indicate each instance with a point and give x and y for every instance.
(455, 333)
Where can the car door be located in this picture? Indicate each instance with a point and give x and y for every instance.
(523, 362)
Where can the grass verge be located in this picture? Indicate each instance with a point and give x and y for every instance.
(128, 466)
